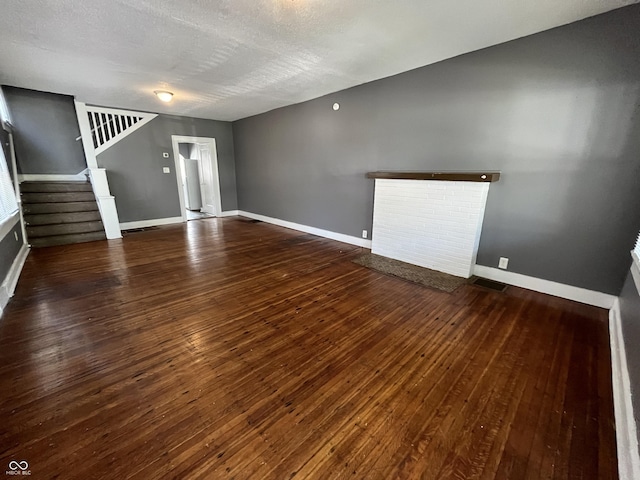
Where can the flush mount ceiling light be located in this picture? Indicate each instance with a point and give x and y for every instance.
(163, 95)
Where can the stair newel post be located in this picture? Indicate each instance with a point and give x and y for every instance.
(106, 201)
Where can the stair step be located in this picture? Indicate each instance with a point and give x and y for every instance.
(52, 187)
(67, 239)
(59, 207)
(55, 197)
(63, 229)
(55, 218)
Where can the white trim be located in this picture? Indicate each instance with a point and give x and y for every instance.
(150, 223)
(175, 141)
(126, 133)
(145, 118)
(109, 215)
(99, 182)
(230, 213)
(340, 237)
(8, 286)
(16, 184)
(582, 295)
(8, 224)
(635, 271)
(119, 111)
(106, 203)
(85, 134)
(5, 114)
(41, 177)
(626, 437)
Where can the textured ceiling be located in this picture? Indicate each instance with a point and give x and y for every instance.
(230, 59)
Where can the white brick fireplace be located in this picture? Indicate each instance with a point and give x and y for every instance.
(431, 223)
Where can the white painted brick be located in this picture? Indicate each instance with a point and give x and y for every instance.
(433, 224)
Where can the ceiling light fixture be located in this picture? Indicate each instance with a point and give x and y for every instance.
(163, 95)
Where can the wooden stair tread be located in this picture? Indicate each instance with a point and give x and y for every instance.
(67, 239)
(55, 218)
(63, 207)
(54, 197)
(53, 187)
(39, 231)
(60, 213)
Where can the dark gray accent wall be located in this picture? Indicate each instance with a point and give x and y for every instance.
(45, 132)
(557, 113)
(630, 317)
(134, 167)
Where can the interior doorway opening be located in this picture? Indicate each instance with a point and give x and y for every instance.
(197, 176)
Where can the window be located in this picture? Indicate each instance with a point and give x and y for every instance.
(8, 204)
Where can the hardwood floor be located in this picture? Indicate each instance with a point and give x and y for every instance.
(232, 349)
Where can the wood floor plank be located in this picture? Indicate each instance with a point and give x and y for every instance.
(224, 348)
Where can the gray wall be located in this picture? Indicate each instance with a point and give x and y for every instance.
(556, 112)
(46, 128)
(134, 167)
(630, 313)
(9, 246)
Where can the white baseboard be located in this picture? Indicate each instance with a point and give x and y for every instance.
(155, 222)
(9, 284)
(626, 437)
(229, 213)
(340, 237)
(582, 295)
(46, 177)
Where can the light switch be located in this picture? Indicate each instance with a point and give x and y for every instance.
(166, 170)
(165, 155)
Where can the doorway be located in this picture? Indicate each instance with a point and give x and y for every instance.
(196, 163)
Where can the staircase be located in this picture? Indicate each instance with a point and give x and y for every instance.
(60, 213)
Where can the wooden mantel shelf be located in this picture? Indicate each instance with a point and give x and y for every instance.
(450, 176)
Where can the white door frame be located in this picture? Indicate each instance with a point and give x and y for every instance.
(177, 139)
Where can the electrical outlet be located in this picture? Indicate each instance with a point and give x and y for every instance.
(503, 263)
(166, 170)
(364, 234)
